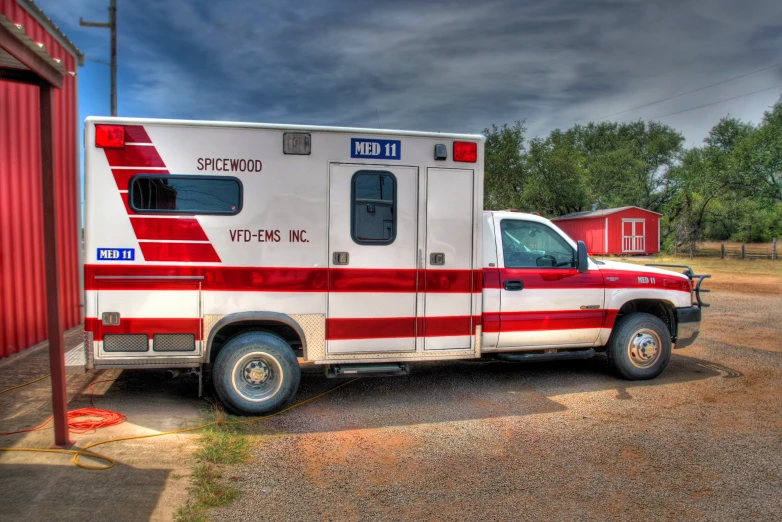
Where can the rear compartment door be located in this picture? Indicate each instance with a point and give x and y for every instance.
(373, 281)
(448, 280)
(147, 316)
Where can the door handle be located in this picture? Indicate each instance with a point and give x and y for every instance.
(514, 285)
(340, 258)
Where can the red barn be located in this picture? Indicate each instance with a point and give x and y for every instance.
(620, 231)
(31, 43)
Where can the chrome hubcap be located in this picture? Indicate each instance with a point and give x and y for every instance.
(257, 376)
(256, 372)
(644, 348)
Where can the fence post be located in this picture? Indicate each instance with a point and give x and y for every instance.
(722, 251)
(774, 250)
(692, 250)
(742, 250)
(675, 247)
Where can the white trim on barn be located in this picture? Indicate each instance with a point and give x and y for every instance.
(605, 246)
(634, 243)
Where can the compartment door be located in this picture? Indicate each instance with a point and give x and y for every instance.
(373, 275)
(152, 317)
(448, 280)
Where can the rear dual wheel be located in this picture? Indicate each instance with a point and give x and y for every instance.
(256, 373)
(639, 347)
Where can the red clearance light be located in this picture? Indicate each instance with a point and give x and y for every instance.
(109, 136)
(465, 151)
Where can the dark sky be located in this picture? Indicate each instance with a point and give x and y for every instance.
(433, 65)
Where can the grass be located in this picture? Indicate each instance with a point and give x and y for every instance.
(218, 445)
(724, 266)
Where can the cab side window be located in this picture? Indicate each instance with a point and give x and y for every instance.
(527, 244)
(373, 216)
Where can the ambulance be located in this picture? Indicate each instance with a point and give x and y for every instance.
(242, 250)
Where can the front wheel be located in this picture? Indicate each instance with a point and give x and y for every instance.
(639, 347)
(256, 373)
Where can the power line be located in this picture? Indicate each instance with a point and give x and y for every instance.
(690, 92)
(716, 102)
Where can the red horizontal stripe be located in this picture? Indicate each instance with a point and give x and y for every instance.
(149, 326)
(182, 252)
(452, 281)
(570, 278)
(552, 320)
(136, 134)
(371, 280)
(543, 278)
(178, 229)
(396, 327)
(445, 326)
(374, 328)
(134, 156)
(122, 176)
(629, 279)
(250, 279)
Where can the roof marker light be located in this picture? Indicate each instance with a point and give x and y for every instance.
(297, 143)
(465, 151)
(109, 136)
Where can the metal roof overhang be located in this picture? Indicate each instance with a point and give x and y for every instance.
(33, 60)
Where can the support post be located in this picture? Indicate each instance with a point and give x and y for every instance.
(722, 251)
(692, 250)
(743, 247)
(52, 264)
(774, 250)
(113, 23)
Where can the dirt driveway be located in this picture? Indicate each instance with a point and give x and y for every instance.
(565, 441)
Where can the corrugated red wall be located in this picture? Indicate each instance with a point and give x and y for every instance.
(22, 292)
(591, 231)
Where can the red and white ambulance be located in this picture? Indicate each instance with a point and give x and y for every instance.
(243, 248)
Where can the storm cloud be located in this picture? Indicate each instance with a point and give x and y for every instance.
(439, 65)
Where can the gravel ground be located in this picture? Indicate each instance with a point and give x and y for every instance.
(564, 441)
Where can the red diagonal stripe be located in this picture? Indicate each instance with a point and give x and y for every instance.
(134, 156)
(122, 176)
(178, 229)
(179, 252)
(136, 134)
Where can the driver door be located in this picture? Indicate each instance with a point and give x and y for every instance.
(544, 300)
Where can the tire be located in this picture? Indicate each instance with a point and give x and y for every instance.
(255, 373)
(639, 347)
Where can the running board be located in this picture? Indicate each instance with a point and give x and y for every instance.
(564, 355)
(356, 370)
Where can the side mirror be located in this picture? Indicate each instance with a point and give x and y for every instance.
(583, 258)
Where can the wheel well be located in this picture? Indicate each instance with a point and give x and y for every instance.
(660, 309)
(285, 331)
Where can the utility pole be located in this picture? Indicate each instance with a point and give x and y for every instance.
(112, 24)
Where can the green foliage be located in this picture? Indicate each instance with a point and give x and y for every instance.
(728, 189)
(504, 176)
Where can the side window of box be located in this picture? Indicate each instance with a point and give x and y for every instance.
(177, 194)
(373, 212)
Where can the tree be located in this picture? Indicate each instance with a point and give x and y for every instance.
(557, 183)
(759, 155)
(504, 174)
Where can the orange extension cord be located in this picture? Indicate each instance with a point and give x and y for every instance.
(83, 420)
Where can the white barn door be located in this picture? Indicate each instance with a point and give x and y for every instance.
(633, 235)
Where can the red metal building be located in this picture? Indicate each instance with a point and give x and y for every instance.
(22, 281)
(619, 231)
